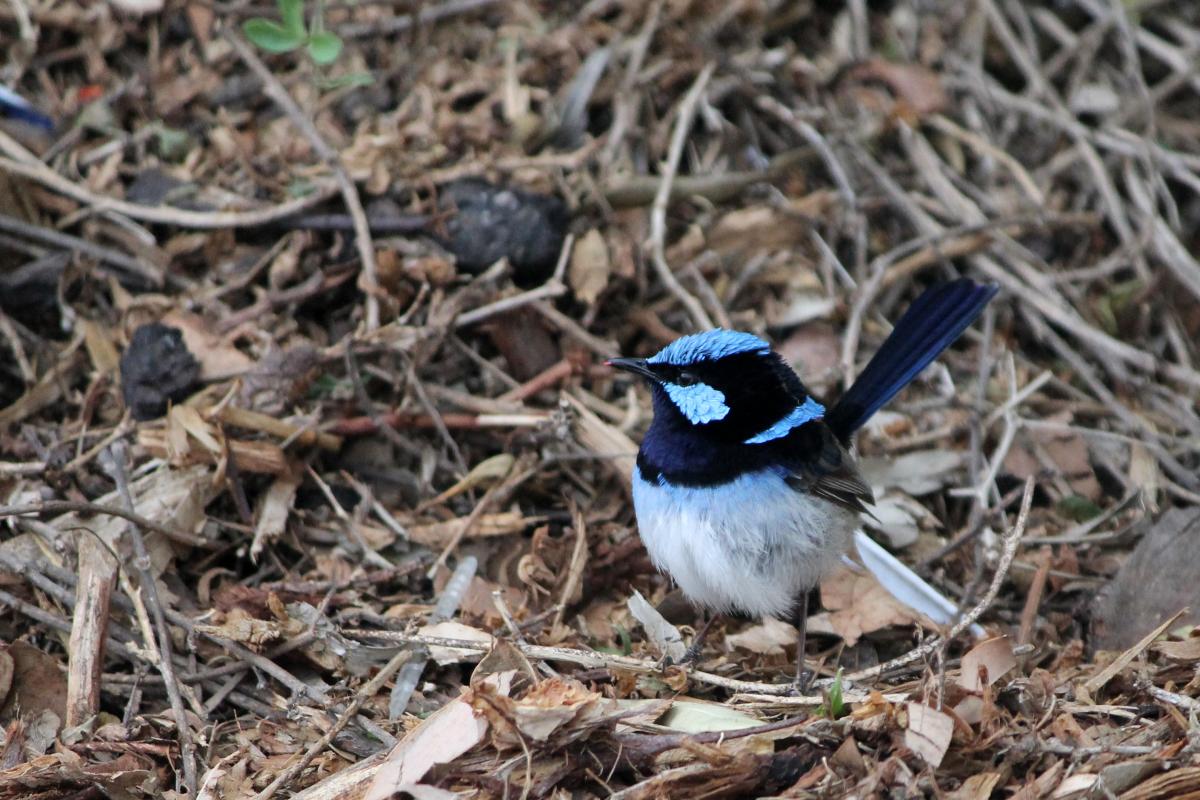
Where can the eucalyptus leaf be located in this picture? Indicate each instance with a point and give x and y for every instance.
(292, 14)
(271, 36)
(324, 47)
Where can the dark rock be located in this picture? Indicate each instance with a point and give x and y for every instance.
(156, 369)
(488, 222)
(1161, 576)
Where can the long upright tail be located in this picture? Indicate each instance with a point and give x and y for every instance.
(929, 326)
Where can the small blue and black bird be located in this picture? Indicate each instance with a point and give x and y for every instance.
(745, 489)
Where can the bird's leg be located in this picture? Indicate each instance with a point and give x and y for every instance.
(803, 676)
(693, 652)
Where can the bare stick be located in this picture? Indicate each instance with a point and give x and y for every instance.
(89, 628)
(426, 16)
(554, 287)
(658, 211)
(165, 215)
(65, 241)
(626, 101)
(69, 506)
(362, 231)
(115, 464)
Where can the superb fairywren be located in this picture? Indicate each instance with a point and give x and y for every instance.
(745, 489)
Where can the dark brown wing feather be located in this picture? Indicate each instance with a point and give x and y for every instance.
(829, 472)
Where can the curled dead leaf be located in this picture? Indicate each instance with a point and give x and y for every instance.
(768, 638)
(986, 662)
(857, 604)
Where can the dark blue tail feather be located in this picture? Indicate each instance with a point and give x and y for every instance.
(14, 106)
(931, 324)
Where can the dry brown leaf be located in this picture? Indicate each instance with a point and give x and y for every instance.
(589, 270)
(101, 348)
(437, 534)
(273, 512)
(918, 87)
(970, 709)
(1062, 449)
(200, 20)
(197, 427)
(485, 472)
(1161, 576)
(665, 636)
(928, 733)
(48, 775)
(898, 518)
(7, 667)
(814, 349)
(689, 715)
(551, 704)
(767, 638)
(442, 737)
(1187, 650)
(756, 228)
(1144, 474)
(37, 684)
(239, 626)
(804, 307)
(986, 662)
(857, 604)
(915, 473)
(1075, 786)
(218, 359)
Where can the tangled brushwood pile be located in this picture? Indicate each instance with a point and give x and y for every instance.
(315, 484)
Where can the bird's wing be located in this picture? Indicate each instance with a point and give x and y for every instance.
(821, 466)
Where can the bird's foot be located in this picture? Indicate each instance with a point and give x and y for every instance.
(802, 682)
(691, 656)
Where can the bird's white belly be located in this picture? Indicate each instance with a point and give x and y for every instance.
(751, 545)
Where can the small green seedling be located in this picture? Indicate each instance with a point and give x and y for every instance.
(291, 33)
(626, 647)
(834, 706)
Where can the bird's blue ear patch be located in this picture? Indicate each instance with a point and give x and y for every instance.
(709, 346)
(700, 403)
(805, 412)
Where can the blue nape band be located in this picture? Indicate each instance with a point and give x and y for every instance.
(805, 412)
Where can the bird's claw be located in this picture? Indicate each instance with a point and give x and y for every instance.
(802, 682)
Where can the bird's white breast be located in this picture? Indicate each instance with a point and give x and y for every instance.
(751, 545)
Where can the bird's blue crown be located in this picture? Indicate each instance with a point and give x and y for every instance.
(709, 345)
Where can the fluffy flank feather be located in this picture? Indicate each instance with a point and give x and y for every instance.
(931, 324)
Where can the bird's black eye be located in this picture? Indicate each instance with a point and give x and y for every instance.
(686, 379)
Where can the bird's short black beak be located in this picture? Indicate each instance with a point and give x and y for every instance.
(634, 365)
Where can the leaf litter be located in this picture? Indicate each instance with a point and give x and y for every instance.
(373, 532)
